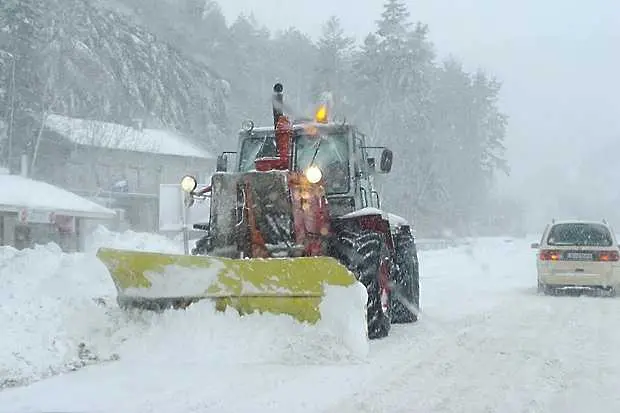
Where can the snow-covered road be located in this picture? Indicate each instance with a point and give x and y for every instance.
(486, 342)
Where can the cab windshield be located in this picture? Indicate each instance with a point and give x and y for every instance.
(256, 147)
(329, 153)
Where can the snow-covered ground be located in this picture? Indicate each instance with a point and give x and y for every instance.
(55, 308)
(486, 342)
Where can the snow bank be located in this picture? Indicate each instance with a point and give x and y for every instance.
(143, 241)
(202, 336)
(58, 314)
(50, 321)
(343, 313)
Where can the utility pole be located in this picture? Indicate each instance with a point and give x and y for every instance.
(12, 110)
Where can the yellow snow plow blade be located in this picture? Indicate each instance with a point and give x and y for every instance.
(293, 286)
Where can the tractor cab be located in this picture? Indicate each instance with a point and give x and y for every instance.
(333, 152)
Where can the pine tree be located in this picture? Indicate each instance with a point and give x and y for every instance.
(394, 72)
(294, 56)
(394, 27)
(248, 63)
(367, 79)
(214, 22)
(492, 123)
(330, 79)
(193, 9)
(23, 29)
(470, 131)
(22, 24)
(455, 129)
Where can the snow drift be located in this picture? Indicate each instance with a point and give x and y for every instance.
(58, 312)
(49, 314)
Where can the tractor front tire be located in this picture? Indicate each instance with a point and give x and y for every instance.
(406, 280)
(362, 253)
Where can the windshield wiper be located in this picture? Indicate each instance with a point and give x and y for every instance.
(318, 145)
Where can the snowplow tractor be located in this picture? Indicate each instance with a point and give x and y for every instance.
(297, 213)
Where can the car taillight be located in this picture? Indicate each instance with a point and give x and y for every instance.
(609, 256)
(550, 255)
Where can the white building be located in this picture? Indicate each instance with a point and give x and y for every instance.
(35, 212)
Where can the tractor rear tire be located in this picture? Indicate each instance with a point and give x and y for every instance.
(406, 280)
(362, 253)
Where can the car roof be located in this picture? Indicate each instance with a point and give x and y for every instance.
(579, 221)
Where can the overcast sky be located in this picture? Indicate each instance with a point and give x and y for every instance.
(558, 60)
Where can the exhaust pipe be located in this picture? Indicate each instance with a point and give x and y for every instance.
(277, 102)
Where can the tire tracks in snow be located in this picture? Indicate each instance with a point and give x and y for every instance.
(530, 354)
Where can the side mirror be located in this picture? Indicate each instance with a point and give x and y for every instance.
(371, 164)
(535, 245)
(386, 161)
(222, 163)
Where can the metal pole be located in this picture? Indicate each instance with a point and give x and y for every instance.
(10, 154)
(12, 113)
(185, 233)
(185, 228)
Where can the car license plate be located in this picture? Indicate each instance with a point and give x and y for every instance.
(580, 256)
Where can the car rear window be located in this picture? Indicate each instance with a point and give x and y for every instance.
(580, 234)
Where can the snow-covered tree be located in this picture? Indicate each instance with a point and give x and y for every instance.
(22, 30)
(331, 79)
(394, 80)
(79, 60)
(294, 56)
(470, 131)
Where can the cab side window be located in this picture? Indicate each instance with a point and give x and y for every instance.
(268, 149)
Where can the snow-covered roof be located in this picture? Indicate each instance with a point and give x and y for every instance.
(17, 192)
(115, 136)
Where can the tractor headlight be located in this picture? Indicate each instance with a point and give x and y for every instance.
(188, 183)
(313, 174)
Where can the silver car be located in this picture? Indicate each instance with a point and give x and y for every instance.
(578, 255)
